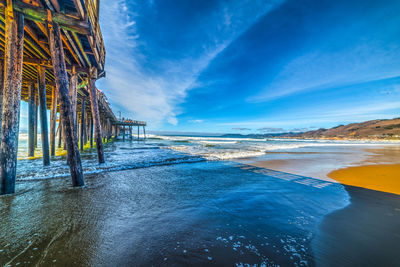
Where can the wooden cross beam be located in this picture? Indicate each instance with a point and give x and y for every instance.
(40, 14)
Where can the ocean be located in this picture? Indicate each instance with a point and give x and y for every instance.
(181, 200)
(166, 150)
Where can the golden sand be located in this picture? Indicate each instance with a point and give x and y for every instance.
(381, 177)
(380, 170)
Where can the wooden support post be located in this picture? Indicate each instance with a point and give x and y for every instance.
(53, 119)
(108, 131)
(85, 136)
(31, 120)
(14, 42)
(61, 79)
(83, 123)
(73, 94)
(91, 132)
(103, 129)
(35, 138)
(87, 129)
(43, 115)
(1, 91)
(123, 132)
(96, 119)
(138, 133)
(144, 132)
(60, 129)
(130, 132)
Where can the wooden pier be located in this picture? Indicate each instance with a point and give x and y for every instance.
(130, 124)
(51, 54)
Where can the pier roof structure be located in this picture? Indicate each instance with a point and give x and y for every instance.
(82, 42)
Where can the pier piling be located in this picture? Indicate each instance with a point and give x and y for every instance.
(73, 94)
(43, 115)
(62, 83)
(91, 132)
(36, 118)
(31, 120)
(53, 119)
(60, 128)
(1, 91)
(83, 124)
(96, 118)
(14, 42)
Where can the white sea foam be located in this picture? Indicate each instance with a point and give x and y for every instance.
(165, 150)
(221, 148)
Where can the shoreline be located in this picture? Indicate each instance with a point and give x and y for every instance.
(381, 177)
(383, 140)
(361, 228)
(370, 168)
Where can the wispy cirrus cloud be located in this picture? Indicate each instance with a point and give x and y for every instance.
(147, 78)
(348, 51)
(196, 121)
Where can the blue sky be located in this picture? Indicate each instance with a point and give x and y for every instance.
(251, 65)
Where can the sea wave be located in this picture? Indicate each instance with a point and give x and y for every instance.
(154, 152)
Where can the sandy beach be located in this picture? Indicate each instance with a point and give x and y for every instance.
(377, 172)
(371, 168)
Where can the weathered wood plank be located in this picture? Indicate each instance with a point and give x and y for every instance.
(14, 43)
(62, 83)
(39, 14)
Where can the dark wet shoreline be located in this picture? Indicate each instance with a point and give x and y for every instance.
(364, 233)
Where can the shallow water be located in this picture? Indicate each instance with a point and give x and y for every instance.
(155, 204)
(164, 150)
(200, 213)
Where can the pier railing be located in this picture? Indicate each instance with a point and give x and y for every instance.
(128, 122)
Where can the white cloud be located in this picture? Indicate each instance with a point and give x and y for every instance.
(150, 96)
(196, 121)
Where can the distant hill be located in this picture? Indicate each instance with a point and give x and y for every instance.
(376, 129)
(261, 136)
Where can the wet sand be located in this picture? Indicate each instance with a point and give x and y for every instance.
(365, 233)
(371, 168)
(382, 177)
(198, 214)
(373, 175)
